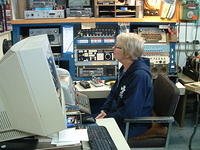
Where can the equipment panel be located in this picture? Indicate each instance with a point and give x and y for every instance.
(43, 14)
(152, 34)
(93, 51)
(159, 57)
(52, 33)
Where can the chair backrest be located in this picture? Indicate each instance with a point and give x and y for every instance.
(166, 96)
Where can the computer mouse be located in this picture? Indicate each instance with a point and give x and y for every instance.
(88, 120)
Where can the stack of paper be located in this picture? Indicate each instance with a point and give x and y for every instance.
(69, 136)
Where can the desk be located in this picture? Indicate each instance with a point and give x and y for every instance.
(194, 87)
(103, 91)
(181, 108)
(94, 92)
(114, 132)
(109, 123)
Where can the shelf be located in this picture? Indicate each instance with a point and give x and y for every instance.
(149, 19)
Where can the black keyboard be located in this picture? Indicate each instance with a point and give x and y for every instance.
(100, 139)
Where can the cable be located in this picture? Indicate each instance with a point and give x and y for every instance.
(78, 35)
(194, 43)
(178, 46)
(186, 53)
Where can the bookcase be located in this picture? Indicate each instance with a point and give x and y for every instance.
(113, 8)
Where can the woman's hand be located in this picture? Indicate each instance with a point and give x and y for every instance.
(101, 115)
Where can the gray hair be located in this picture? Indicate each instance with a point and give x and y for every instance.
(132, 44)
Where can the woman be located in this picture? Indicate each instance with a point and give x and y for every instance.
(132, 94)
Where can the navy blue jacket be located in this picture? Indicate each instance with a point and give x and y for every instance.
(131, 96)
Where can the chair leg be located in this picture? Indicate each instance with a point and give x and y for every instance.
(168, 135)
(126, 131)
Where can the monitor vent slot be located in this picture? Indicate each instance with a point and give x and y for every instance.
(5, 124)
(12, 134)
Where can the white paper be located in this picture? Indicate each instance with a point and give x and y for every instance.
(68, 36)
(82, 134)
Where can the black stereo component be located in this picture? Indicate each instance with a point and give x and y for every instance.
(52, 33)
(79, 12)
(192, 67)
(99, 71)
(94, 55)
(101, 30)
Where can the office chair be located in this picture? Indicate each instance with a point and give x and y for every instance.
(166, 96)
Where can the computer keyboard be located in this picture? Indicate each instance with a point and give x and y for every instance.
(100, 139)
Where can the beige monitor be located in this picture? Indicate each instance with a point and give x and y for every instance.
(30, 91)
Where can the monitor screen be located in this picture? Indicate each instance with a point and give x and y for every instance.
(31, 101)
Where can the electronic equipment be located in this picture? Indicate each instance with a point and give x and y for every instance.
(79, 8)
(44, 14)
(103, 2)
(88, 119)
(79, 12)
(189, 10)
(152, 34)
(74, 101)
(158, 53)
(99, 31)
(52, 33)
(67, 86)
(33, 4)
(94, 55)
(98, 70)
(93, 51)
(31, 98)
(79, 3)
(100, 139)
(159, 57)
(159, 69)
(97, 82)
(84, 84)
(83, 102)
(192, 67)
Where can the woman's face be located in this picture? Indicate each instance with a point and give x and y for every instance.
(118, 52)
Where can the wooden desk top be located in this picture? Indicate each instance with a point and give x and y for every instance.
(184, 79)
(94, 92)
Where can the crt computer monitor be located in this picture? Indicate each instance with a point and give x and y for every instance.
(31, 101)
